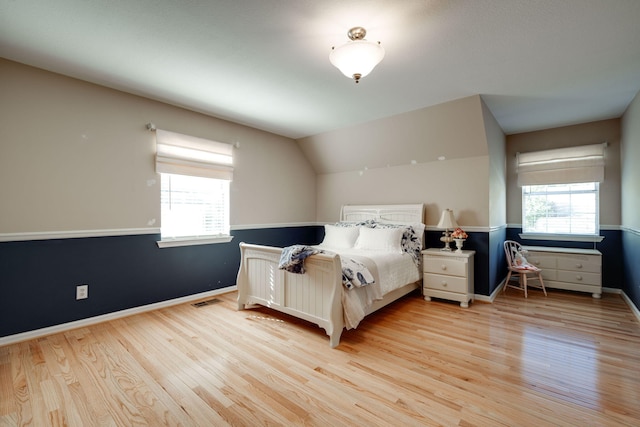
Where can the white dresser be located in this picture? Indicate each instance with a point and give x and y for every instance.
(568, 268)
(448, 275)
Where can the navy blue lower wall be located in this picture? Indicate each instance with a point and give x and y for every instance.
(631, 259)
(497, 261)
(38, 278)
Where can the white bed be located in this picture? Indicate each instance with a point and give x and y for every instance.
(318, 295)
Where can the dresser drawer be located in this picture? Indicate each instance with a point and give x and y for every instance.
(445, 283)
(549, 274)
(542, 261)
(588, 264)
(572, 269)
(579, 277)
(442, 265)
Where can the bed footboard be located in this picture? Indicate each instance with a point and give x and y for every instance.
(315, 296)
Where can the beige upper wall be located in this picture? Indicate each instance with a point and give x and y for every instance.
(76, 156)
(630, 156)
(496, 142)
(583, 134)
(451, 130)
(461, 182)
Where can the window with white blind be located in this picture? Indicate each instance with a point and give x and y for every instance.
(561, 209)
(194, 196)
(194, 207)
(560, 190)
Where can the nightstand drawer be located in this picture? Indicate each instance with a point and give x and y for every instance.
(442, 265)
(445, 283)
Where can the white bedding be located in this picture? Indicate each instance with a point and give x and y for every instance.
(391, 271)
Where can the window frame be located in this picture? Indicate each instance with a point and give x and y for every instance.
(187, 155)
(580, 237)
(193, 239)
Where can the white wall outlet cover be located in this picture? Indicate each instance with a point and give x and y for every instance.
(82, 292)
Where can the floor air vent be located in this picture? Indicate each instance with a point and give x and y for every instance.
(207, 302)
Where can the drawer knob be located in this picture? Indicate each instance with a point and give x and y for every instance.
(444, 284)
(578, 265)
(578, 277)
(444, 267)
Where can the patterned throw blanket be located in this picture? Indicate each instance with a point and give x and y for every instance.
(354, 273)
(292, 258)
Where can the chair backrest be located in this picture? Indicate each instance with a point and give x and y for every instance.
(511, 248)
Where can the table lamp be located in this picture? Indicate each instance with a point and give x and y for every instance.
(447, 222)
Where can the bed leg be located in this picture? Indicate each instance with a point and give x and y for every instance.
(334, 339)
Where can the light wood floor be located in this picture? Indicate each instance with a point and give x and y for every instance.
(564, 360)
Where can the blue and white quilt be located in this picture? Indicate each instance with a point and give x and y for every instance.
(354, 273)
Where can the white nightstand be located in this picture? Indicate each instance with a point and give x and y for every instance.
(448, 275)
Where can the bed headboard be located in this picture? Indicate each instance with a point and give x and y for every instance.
(391, 214)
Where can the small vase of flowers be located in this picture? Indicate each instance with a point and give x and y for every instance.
(459, 236)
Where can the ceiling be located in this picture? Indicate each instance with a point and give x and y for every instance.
(264, 63)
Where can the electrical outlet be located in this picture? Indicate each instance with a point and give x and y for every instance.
(82, 292)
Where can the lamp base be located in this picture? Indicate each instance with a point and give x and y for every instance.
(447, 241)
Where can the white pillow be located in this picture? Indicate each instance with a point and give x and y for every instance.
(340, 237)
(380, 239)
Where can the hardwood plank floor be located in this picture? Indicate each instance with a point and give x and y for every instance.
(563, 360)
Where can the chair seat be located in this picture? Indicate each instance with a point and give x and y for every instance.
(525, 268)
(525, 271)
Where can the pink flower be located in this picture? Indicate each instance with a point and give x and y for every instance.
(459, 233)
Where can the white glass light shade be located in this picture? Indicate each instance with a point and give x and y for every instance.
(447, 221)
(356, 58)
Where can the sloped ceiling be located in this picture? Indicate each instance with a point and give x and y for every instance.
(264, 63)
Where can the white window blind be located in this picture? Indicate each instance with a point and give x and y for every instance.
(561, 209)
(194, 207)
(562, 165)
(195, 181)
(189, 155)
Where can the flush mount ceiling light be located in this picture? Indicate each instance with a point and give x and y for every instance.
(356, 58)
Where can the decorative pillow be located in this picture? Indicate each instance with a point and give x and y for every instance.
(340, 237)
(380, 239)
(411, 237)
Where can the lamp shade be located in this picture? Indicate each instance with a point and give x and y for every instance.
(447, 221)
(356, 58)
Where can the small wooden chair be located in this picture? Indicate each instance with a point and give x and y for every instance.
(517, 264)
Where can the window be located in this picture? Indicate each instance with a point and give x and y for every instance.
(560, 192)
(194, 207)
(561, 208)
(194, 195)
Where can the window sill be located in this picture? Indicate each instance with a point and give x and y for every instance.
(562, 237)
(191, 241)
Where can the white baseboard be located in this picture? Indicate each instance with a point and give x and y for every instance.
(492, 297)
(631, 305)
(11, 339)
